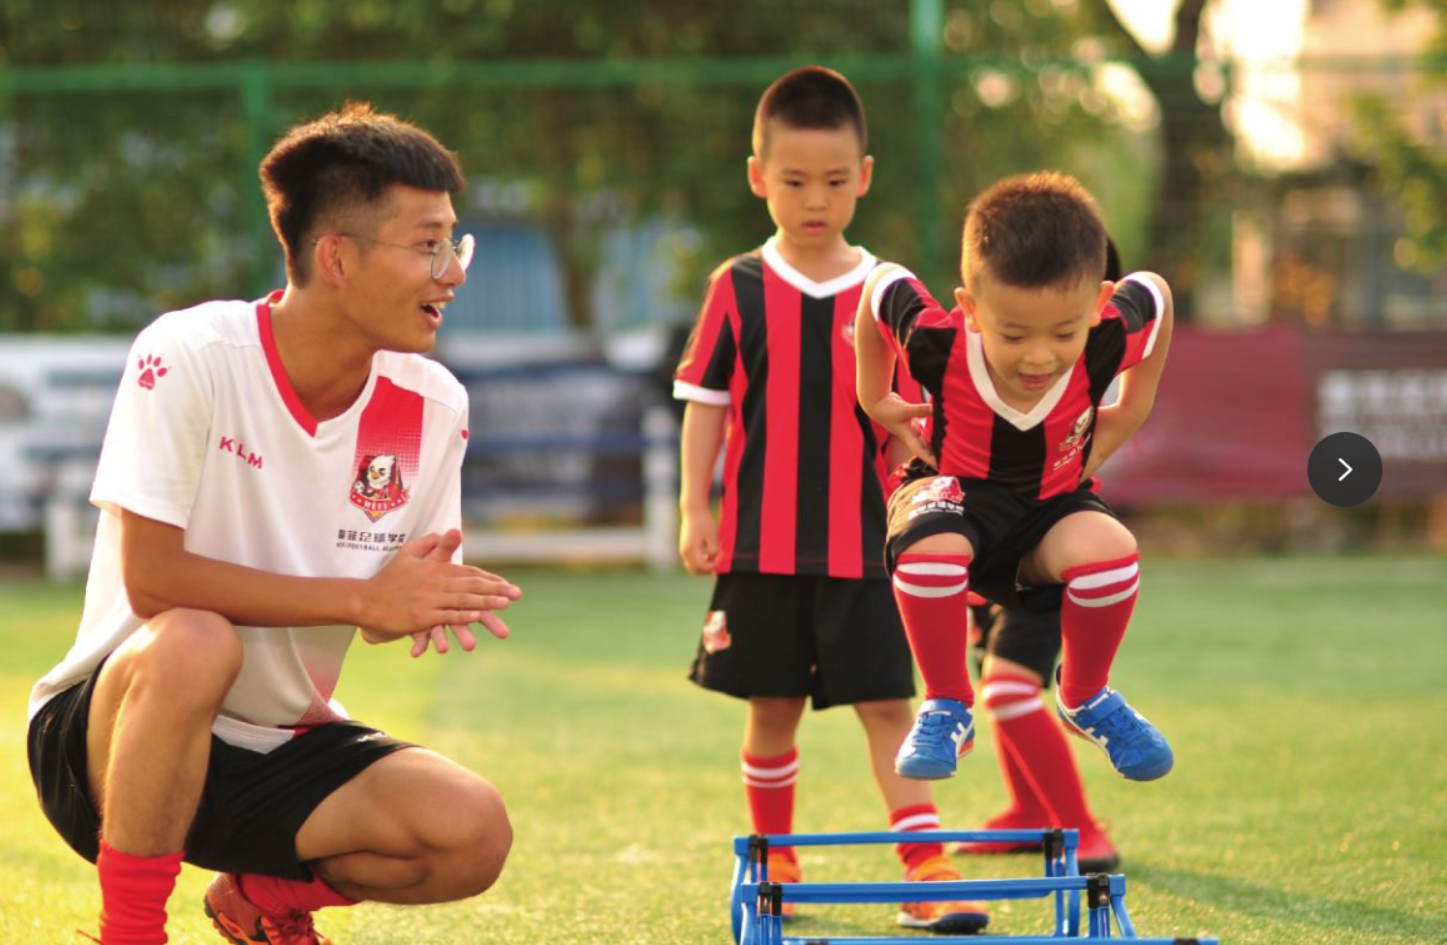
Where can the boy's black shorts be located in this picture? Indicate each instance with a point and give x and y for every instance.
(836, 640)
(252, 806)
(1028, 637)
(1001, 525)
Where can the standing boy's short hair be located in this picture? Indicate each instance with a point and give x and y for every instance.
(333, 172)
(810, 98)
(1033, 231)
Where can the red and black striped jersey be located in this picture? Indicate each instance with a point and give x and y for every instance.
(804, 466)
(976, 435)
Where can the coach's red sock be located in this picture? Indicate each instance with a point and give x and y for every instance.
(133, 894)
(769, 787)
(1038, 753)
(275, 896)
(916, 817)
(930, 590)
(1099, 599)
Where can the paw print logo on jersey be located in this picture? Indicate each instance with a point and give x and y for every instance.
(716, 632)
(151, 371)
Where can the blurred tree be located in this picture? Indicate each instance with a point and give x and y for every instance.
(117, 203)
(1196, 148)
(1410, 171)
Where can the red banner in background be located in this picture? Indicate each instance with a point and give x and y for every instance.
(1238, 414)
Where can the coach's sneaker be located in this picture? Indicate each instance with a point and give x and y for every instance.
(947, 918)
(943, 733)
(1009, 820)
(1136, 750)
(784, 870)
(241, 923)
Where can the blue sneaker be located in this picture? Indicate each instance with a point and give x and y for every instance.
(1136, 750)
(943, 733)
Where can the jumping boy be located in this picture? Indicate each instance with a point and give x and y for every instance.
(276, 475)
(1016, 374)
(800, 607)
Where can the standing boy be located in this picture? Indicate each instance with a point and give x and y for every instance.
(275, 475)
(1017, 374)
(800, 606)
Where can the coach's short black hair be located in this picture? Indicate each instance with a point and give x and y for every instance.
(814, 98)
(1034, 231)
(335, 171)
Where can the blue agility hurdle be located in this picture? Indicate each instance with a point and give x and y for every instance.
(756, 904)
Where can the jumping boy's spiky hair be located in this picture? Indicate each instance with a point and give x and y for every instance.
(1032, 231)
(334, 173)
(810, 98)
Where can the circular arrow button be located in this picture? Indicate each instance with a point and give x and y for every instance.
(1345, 469)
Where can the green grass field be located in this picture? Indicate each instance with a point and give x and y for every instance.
(1305, 699)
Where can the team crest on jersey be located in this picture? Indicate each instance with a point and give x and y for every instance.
(1077, 435)
(378, 487)
(716, 632)
(389, 437)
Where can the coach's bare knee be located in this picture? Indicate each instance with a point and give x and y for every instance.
(480, 836)
(192, 657)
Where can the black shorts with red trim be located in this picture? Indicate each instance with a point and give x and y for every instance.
(837, 641)
(1001, 525)
(252, 805)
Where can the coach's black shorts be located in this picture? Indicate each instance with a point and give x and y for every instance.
(252, 806)
(1028, 637)
(1001, 525)
(835, 640)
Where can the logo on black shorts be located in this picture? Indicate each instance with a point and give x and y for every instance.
(716, 632)
(943, 494)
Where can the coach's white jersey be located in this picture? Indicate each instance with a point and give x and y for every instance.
(207, 434)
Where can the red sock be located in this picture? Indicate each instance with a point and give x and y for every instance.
(275, 896)
(133, 894)
(1008, 695)
(930, 591)
(1099, 598)
(769, 787)
(1038, 753)
(916, 817)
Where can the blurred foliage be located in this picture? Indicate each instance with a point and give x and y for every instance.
(117, 205)
(1409, 171)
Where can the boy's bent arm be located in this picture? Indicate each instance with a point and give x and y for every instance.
(874, 375)
(1138, 387)
(413, 591)
(703, 431)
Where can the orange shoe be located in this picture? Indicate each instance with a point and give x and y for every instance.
(784, 870)
(949, 918)
(241, 923)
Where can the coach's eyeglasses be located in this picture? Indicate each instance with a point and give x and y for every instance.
(442, 254)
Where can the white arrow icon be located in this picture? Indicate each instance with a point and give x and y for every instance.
(1345, 474)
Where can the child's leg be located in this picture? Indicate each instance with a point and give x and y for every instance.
(770, 764)
(911, 808)
(931, 578)
(1095, 557)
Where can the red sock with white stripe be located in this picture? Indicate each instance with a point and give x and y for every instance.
(769, 787)
(916, 817)
(275, 896)
(1099, 599)
(133, 895)
(931, 592)
(1048, 792)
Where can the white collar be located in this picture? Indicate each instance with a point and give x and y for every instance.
(980, 374)
(818, 290)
